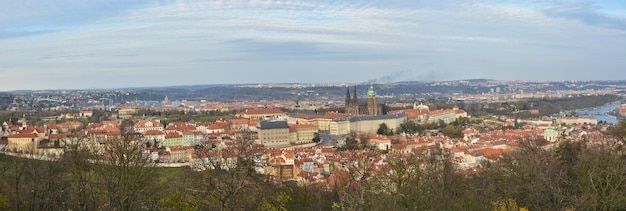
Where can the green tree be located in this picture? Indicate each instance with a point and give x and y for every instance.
(452, 132)
(383, 129)
(316, 138)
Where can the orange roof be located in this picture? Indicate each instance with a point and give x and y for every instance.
(239, 121)
(153, 133)
(179, 148)
(333, 115)
(218, 125)
(263, 111)
(308, 116)
(56, 136)
(28, 130)
(23, 135)
(304, 126)
(492, 153)
(415, 112)
(180, 126)
(289, 155)
(438, 112)
(110, 122)
(173, 135)
(142, 123)
(253, 122)
(40, 129)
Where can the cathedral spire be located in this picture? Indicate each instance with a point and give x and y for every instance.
(348, 96)
(355, 101)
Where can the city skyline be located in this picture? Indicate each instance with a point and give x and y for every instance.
(111, 44)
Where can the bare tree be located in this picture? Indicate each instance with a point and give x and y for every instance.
(356, 186)
(80, 151)
(225, 175)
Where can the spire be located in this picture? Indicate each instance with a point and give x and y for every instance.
(355, 101)
(347, 96)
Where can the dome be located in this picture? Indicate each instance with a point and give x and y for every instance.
(371, 91)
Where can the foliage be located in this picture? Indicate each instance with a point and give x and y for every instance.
(383, 129)
(573, 175)
(452, 131)
(316, 138)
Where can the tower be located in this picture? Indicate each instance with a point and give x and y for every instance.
(352, 103)
(372, 102)
(347, 97)
(166, 102)
(355, 102)
(349, 107)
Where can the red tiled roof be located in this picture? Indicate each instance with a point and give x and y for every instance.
(333, 115)
(180, 126)
(173, 135)
(308, 116)
(180, 148)
(263, 111)
(153, 133)
(239, 121)
(27, 130)
(142, 123)
(492, 153)
(23, 135)
(218, 125)
(438, 112)
(56, 136)
(40, 129)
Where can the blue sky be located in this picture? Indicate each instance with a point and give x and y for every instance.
(107, 44)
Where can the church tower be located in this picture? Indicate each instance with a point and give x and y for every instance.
(355, 103)
(352, 103)
(166, 102)
(347, 97)
(348, 101)
(372, 102)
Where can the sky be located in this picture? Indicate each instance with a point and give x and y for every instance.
(66, 44)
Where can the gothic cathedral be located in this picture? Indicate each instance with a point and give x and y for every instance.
(371, 108)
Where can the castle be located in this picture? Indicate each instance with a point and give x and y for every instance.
(371, 108)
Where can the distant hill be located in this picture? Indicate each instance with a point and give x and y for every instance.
(479, 80)
(291, 91)
(5, 99)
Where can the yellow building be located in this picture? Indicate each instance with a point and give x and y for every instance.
(127, 111)
(370, 124)
(303, 133)
(577, 120)
(263, 114)
(25, 142)
(273, 134)
(340, 127)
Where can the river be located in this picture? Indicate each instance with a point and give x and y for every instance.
(600, 113)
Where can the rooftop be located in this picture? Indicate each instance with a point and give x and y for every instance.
(273, 125)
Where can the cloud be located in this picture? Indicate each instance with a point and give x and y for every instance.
(340, 41)
(587, 13)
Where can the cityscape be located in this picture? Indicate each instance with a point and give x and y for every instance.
(319, 136)
(276, 105)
